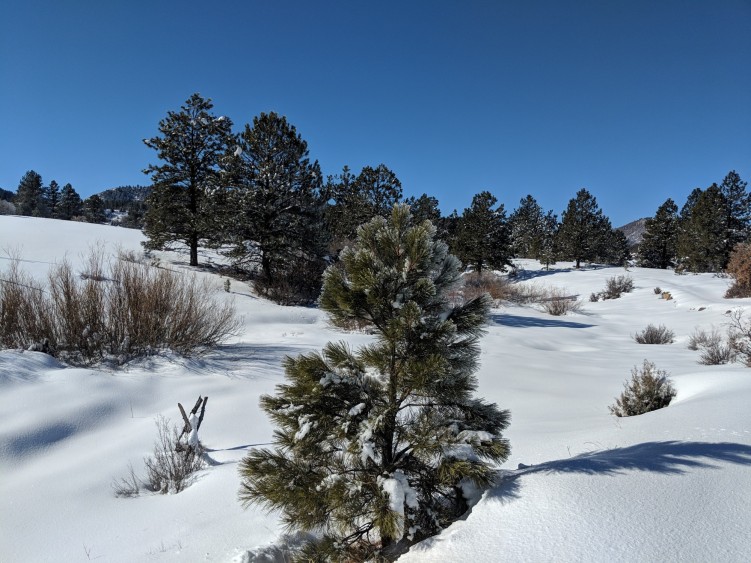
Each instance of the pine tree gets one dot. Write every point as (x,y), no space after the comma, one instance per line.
(93,209)
(182,207)
(738,210)
(373,446)
(355,200)
(657,248)
(584,230)
(548,236)
(526,224)
(277,194)
(424,208)
(482,239)
(702,230)
(29,199)
(70,203)
(52,196)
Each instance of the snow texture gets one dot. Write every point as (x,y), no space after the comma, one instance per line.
(580,484)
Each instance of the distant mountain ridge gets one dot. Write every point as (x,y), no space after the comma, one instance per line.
(634,231)
(122,195)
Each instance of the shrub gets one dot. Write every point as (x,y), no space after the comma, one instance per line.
(649,390)
(617,285)
(112,311)
(657,290)
(558,303)
(739,337)
(173,463)
(476,284)
(716,354)
(739,267)
(700,339)
(655,335)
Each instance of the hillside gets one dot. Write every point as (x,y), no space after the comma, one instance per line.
(634,231)
(580,485)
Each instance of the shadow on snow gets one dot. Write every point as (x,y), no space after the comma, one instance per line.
(518,321)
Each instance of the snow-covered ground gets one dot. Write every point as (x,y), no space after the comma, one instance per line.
(580,485)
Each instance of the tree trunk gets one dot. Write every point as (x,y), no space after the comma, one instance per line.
(194,250)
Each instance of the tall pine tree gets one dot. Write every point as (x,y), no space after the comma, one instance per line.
(737,212)
(52,196)
(482,238)
(702,231)
(276,192)
(70,203)
(182,207)
(373,446)
(584,231)
(657,248)
(526,224)
(29,198)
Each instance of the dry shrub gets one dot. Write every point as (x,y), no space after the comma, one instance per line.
(172,464)
(717,354)
(113,311)
(701,339)
(557,302)
(739,267)
(477,284)
(614,288)
(657,290)
(649,390)
(739,337)
(655,335)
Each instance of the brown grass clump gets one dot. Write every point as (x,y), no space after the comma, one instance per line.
(115,311)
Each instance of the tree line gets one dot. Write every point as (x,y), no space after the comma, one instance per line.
(35,199)
(257,195)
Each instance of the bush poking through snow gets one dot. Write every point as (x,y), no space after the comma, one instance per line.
(701,339)
(655,335)
(557,303)
(476,284)
(614,288)
(173,463)
(115,311)
(657,290)
(649,390)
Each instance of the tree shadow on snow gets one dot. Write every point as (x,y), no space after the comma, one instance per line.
(518,321)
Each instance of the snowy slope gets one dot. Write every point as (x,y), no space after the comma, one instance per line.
(671,485)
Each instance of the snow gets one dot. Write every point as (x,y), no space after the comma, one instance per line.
(580,485)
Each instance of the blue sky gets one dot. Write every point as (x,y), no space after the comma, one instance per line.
(635,100)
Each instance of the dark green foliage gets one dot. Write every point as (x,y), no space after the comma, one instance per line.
(93,210)
(584,232)
(525,224)
(7,195)
(658,246)
(355,200)
(614,248)
(70,203)
(548,236)
(702,229)
(483,238)
(372,445)
(29,198)
(649,389)
(737,211)
(276,197)
(52,198)
(182,206)
(424,208)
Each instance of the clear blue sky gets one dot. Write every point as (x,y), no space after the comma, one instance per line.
(636,100)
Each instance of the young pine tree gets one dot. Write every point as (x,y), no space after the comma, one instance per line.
(657,248)
(70,203)
(29,198)
(374,446)
(52,196)
(483,239)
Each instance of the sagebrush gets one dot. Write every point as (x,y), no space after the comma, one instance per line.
(614,288)
(655,335)
(648,390)
(170,468)
(114,310)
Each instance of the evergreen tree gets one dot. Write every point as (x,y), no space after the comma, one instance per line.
(584,231)
(548,236)
(52,196)
(374,446)
(482,238)
(526,223)
(29,199)
(70,203)
(276,191)
(424,208)
(738,210)
(614,248)
(182,207)
(658,246)
(93,210)
(702,228)
(355,200)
